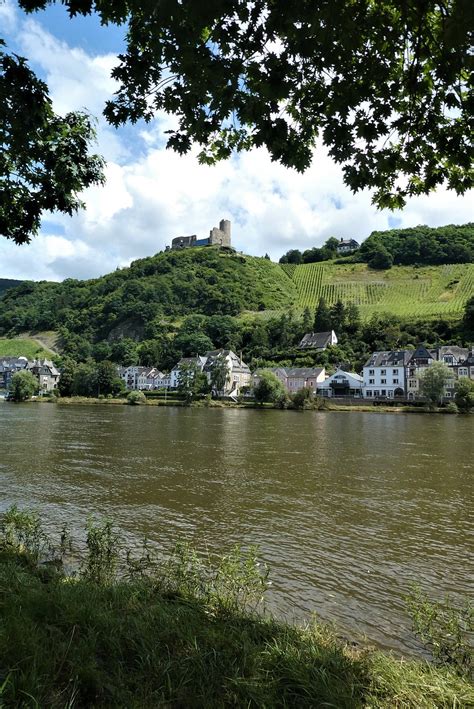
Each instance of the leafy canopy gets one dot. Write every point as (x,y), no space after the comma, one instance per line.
(44,158)
(384,85)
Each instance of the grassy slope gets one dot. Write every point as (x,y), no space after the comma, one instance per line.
(130,644)
(426,292)
(23,347)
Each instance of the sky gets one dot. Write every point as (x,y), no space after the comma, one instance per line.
(152,194)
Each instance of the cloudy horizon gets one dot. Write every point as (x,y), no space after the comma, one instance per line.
(153,194)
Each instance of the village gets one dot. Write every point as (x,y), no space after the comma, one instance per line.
(386,376)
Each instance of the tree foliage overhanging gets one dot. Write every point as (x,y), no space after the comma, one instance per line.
(44,158)
(386,86)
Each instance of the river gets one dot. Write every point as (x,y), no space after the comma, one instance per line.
(348,509)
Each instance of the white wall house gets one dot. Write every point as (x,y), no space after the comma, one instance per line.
(384,375)
(148,379)
(174,374)
(341,384)
(238,373)
(295,378)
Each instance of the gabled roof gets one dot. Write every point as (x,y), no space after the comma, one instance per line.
(236,362)
(317,340)
(303,372)
(459,352)
(420,353)
(469,361)
(342,373)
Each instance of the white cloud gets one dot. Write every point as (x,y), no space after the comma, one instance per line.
(8,16)
(153,195)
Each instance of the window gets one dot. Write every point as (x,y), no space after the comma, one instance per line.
(395,381)
(371,372)
(447,394)
(383,381)
(383,371)
(412,383)
(463,371)
(376,393)
(384,392)
(395,372)
(371,381)
(368,393)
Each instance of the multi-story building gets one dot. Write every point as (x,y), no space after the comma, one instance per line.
(295,378)
(384,374)
(8,367)
(46,373)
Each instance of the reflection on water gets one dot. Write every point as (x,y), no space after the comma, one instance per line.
(348,509)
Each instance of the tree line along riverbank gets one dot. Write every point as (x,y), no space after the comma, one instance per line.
(183,631)
(317,405)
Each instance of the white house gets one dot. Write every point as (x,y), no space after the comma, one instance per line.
(384,374)
(341,383)
(198,361)
(318,340)
(296,378)
(238,373)
(149,378)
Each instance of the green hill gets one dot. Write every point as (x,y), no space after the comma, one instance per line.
(211,281)
(424,292)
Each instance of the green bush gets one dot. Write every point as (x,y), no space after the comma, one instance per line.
(452,408)
(445,629)
(136,397)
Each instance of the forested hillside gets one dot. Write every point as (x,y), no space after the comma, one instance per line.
(210,281)
(6,283)
(180,303)
(423,245)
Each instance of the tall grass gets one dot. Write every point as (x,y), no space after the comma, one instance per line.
(180,632)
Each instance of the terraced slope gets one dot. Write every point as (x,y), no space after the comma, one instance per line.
(426,292)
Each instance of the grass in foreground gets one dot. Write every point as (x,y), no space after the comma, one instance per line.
(184,635)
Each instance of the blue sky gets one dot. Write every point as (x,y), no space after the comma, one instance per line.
(153,195)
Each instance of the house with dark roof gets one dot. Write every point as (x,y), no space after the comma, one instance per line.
(46,373)
(384,374)
(465,368)
(8,367)
(238,373)
(318,340)
(295,378)
(420,359)
(184,362)
(346,246)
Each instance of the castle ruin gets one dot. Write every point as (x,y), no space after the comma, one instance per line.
(218,236)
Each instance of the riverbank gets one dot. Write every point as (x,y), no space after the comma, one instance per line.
(326,405)
(179,635)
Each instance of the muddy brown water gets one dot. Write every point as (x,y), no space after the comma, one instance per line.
(348,509)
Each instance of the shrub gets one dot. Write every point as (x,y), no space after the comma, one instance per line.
(136,397)
(451,408)
(444,629)
(303,398)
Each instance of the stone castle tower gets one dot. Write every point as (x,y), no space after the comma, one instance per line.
(220,236)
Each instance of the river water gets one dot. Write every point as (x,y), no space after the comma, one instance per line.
(348,509)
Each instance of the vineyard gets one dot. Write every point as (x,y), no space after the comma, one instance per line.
(407,291)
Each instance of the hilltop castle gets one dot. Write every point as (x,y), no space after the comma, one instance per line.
(218,236)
